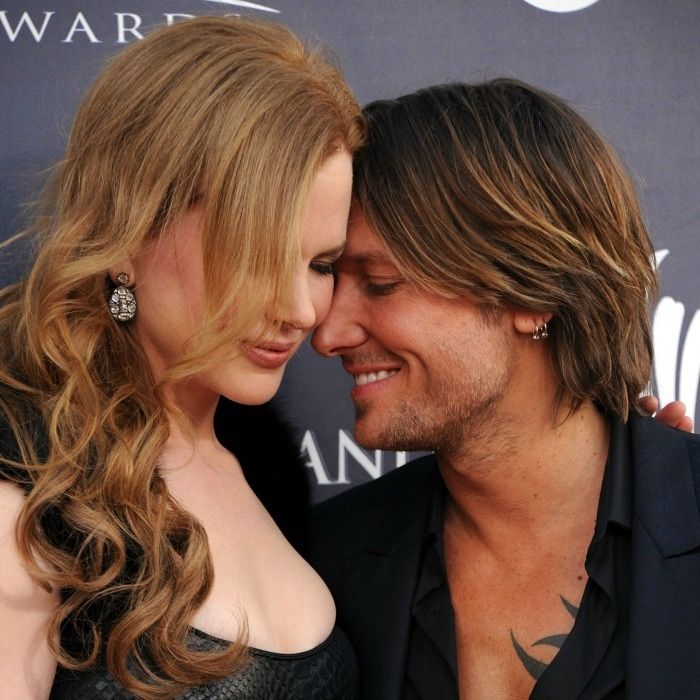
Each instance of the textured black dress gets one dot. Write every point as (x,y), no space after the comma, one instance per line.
(327,672)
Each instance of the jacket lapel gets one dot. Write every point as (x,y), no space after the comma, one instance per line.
(386,616)
(385,571)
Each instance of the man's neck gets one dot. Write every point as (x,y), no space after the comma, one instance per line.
(535,479)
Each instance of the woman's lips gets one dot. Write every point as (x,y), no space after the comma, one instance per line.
(269,355)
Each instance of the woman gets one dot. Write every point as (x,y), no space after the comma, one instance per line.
(187,249)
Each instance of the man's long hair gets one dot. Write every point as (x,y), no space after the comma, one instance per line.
(501,192)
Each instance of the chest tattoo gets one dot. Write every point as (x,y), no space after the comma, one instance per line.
(532,665)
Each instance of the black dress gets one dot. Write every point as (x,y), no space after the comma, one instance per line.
(327,672)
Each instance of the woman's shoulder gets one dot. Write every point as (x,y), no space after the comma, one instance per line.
(26,609)
(15,580)
(14,484)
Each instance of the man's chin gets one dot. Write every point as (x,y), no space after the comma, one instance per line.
(366,439)
(372,434)
(367,434)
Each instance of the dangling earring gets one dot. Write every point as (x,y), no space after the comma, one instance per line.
(122,303)
(540,332)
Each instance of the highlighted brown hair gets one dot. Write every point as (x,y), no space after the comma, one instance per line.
(237,115)
(500,191)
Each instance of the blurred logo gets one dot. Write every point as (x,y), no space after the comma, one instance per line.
(561,5)
(246,5)
(351,458)
(74,27)
(676,353)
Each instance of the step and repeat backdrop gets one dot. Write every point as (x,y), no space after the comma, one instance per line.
(631,67)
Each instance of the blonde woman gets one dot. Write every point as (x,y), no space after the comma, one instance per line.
(186,250)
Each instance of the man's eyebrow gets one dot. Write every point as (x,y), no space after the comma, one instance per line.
(365,258)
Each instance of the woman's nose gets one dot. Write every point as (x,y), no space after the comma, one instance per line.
(302,313)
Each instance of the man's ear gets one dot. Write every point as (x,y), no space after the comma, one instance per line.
(527,322)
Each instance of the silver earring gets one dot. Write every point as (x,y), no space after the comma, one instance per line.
(122,303)
(540,332)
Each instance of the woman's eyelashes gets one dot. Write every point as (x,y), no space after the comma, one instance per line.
(323,267)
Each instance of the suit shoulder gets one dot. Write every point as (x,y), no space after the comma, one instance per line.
(406,485)
(649,430)
(692,441)
(659,444)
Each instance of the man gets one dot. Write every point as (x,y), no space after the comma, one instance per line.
(491,305)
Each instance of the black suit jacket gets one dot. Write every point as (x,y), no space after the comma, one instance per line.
(367,543)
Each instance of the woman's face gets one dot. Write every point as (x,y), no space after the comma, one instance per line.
(169,287)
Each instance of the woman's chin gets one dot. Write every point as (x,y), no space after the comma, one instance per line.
(255,392)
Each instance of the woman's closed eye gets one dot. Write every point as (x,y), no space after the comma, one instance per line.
(323,267)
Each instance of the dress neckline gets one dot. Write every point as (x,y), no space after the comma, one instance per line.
(263,652)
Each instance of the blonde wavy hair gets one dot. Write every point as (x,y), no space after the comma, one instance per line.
(237,115)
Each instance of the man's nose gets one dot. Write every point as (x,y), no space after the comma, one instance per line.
(342,329)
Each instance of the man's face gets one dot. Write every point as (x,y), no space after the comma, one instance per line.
(429,372)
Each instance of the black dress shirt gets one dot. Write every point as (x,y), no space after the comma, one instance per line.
(590,664)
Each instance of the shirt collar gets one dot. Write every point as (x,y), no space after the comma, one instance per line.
(436,511)
(615,503)
(432,570)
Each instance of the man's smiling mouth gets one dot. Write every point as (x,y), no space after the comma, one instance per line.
(369,377)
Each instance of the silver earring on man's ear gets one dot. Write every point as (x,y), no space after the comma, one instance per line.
(122,303)
(540,332)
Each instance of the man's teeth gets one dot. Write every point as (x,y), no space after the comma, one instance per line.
(366,378)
